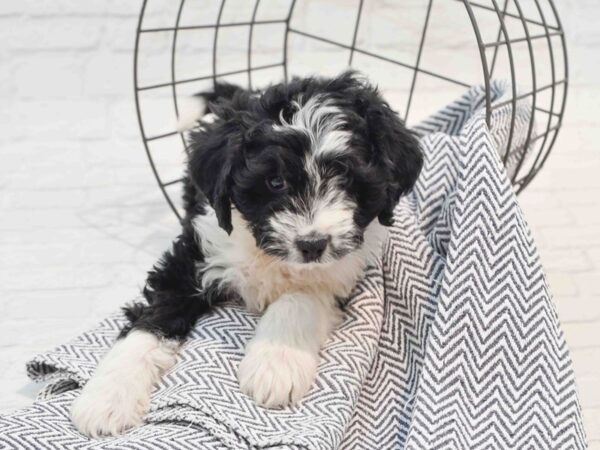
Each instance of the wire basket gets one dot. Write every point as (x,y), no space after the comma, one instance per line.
(421,53)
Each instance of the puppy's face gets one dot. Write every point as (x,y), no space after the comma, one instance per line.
(310,172)
(306,187)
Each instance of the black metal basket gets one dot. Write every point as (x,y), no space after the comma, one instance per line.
(422,54)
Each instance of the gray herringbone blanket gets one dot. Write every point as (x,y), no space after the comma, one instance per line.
(451,341)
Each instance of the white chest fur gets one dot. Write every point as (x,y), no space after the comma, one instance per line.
(236,263)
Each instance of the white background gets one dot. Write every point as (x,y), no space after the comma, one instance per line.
(81,218)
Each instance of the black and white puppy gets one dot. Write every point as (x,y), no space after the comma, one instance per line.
(287,194)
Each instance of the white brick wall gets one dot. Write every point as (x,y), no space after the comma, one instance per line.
(81,219)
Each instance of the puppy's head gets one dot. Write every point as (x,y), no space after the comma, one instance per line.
(308,165)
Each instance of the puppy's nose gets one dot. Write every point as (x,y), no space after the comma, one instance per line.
(312,246)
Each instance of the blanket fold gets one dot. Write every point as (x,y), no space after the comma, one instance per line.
(450,341)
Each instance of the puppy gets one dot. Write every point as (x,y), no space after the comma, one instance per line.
(287,196)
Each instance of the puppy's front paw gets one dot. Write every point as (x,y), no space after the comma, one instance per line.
(109,407)
(276,375)
(117,397)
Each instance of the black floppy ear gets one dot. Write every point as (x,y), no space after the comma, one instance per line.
(213,152)
(395,150)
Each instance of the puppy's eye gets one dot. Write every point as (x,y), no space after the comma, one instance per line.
(276,184)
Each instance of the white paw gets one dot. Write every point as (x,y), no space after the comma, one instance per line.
(109,407)
(117,397)
(276,375)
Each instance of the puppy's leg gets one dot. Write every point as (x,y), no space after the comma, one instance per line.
(118,395)
(281,360)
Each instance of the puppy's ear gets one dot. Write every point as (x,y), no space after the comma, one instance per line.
(395,150)
(214,150)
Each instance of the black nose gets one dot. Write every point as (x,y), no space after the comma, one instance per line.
(312,246)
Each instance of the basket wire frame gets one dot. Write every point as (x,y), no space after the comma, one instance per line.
(552,30)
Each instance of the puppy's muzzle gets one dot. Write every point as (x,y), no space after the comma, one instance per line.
(312,246)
